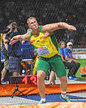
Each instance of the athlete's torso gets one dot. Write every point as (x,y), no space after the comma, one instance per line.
(46,46)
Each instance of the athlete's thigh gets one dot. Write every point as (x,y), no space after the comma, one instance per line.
(43,65)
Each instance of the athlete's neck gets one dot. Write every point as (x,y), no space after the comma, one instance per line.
(35,32)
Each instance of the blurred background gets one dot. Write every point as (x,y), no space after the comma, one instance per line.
(48,11)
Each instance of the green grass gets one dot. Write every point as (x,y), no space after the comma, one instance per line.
(82,64)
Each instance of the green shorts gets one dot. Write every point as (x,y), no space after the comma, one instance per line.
(44,64)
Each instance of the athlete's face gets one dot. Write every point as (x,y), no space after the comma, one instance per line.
(33,24)
(62,45)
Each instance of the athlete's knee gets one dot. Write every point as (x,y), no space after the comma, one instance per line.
(41,75)
(63,79)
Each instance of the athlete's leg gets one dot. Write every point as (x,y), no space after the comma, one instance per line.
(59,68)
(42,68)
(63,84)
(40,83)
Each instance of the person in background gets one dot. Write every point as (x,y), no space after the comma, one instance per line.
(4,49)
(5,68)
(1,38)
(14,51)
(2,56)
(27,53)
(66,62)
(2,59)
(74,65)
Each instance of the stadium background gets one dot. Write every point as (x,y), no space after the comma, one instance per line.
(49,11)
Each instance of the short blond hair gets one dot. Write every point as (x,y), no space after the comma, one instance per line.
(30,19)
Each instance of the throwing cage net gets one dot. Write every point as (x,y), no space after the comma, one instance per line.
(48,11)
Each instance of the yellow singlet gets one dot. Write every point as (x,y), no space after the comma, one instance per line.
(46,46)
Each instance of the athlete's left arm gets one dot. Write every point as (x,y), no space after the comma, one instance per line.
(56,26)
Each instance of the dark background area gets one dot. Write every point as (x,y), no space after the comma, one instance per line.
(48,11)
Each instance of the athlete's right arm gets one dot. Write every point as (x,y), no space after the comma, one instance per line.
(22,37)
(56,26)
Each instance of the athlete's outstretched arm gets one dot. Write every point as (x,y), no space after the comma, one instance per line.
(56,26)
(22,37)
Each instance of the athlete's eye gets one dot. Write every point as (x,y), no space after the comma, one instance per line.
(31,22)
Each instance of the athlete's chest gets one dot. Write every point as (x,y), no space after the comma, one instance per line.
(39,40)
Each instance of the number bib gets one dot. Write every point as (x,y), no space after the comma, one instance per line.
(43,51)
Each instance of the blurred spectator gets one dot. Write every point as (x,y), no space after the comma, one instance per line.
(14,50)
(2,56)
(1,38)
(74,64)
(27,52)
(6,60)
(66,62)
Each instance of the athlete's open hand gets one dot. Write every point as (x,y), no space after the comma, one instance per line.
(71,28)
(14,38)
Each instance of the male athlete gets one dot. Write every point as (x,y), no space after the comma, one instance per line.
(47,48)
